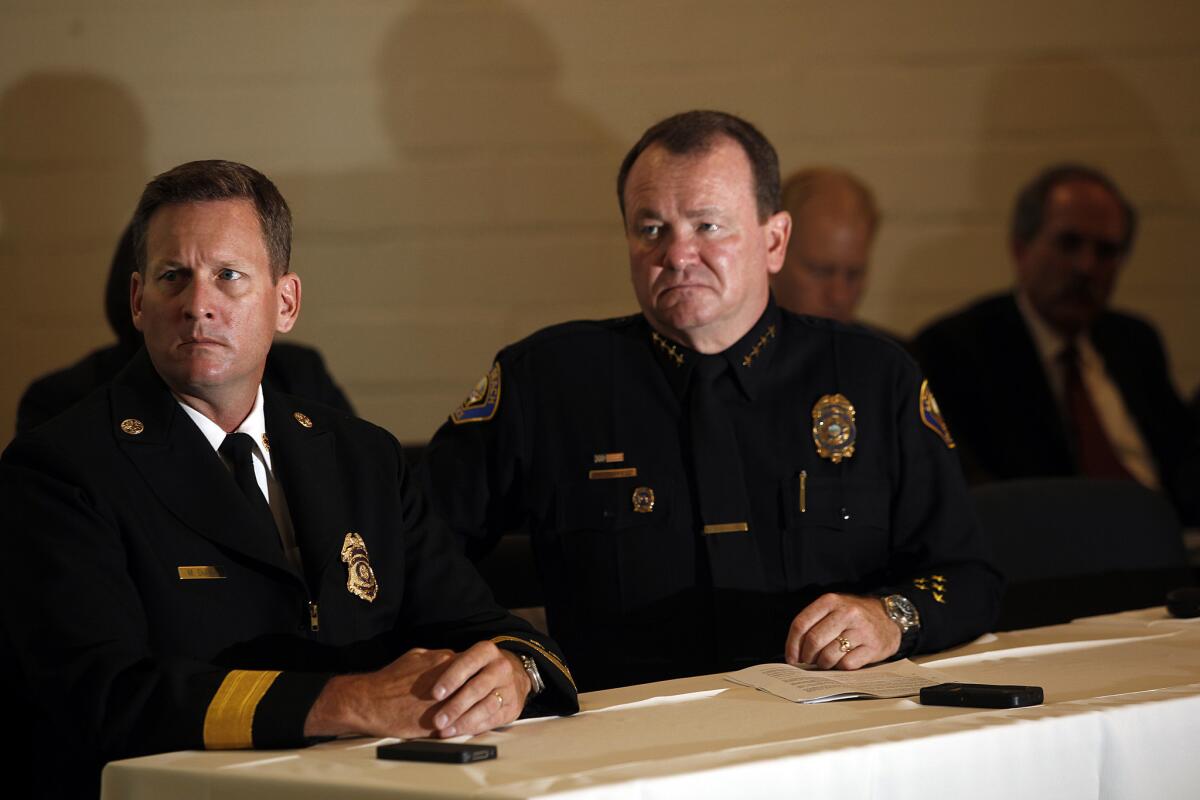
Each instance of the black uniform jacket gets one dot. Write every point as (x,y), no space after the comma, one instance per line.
(150,613)
(984,365)
(581,433)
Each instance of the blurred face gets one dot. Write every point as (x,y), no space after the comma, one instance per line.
(1070,268)
(699,258)
(825,271)
(207,305)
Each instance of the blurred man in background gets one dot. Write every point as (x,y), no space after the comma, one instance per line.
(834,220)
(1046,380)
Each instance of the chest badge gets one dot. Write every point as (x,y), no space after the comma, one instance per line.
(643,499)
(360,578)
(833,429)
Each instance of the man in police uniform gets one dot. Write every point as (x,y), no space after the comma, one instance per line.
(716,482)
(191,561)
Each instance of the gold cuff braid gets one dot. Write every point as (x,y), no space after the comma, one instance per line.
(229,721)
(543,652)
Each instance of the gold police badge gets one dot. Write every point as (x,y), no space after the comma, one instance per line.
(833,427)
(360,579)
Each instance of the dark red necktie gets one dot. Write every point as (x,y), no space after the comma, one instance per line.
(1093,450)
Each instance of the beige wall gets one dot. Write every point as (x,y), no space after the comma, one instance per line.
(450,165)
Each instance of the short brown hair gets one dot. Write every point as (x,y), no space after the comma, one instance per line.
(202,181)
(1029,211)
(699,131)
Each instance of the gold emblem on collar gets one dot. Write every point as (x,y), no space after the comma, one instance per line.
(302,419)
(833,429)
(643,499)
(360,578)
(668,348)
(266,442)
(748,359)
(132,426)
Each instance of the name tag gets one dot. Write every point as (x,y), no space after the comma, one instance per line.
(728,527)
(200,573)
(604,474)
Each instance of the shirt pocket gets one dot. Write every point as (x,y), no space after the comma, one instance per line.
(837,531)
(614,546)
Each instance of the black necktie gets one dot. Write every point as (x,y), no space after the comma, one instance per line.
(1097,458)
(239,449)
(716,459)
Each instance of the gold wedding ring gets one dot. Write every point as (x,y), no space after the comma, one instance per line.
(844,644)
(499,698)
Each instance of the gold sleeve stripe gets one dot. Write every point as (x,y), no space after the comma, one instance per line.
(229,721)
(543,652)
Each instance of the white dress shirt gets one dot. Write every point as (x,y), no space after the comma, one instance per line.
(255,425)
(1119,426)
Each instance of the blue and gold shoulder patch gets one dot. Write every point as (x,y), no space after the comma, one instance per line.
(483,401)
(931,415)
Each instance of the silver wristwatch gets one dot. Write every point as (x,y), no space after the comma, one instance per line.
(902,612)
(536,684)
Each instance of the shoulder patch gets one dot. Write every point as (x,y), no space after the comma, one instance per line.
(483,401)
(931,415)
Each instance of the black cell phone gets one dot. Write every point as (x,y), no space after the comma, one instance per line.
(1185,602)
(981,695)
(441,752)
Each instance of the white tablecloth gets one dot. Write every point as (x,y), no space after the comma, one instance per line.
(1121,720)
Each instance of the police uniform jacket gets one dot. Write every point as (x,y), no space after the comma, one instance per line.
(581,433)
(151,612)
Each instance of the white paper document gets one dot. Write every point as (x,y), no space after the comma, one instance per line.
(897,679)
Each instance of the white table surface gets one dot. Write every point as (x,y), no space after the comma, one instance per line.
(1121,719)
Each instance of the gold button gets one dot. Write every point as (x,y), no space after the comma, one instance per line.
(132,426)
(302,419)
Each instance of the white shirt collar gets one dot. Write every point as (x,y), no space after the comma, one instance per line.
(1050,343)
(254,424)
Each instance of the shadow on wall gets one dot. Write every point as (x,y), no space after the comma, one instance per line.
(72,163)
(499,215)
(1062,107)
(72,148)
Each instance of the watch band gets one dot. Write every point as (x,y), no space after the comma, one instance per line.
(901,611)
(536,684)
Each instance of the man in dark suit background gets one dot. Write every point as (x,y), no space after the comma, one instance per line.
(291,368)
(190,560)
(1047,380)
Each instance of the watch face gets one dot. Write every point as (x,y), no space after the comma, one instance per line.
(902,611)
